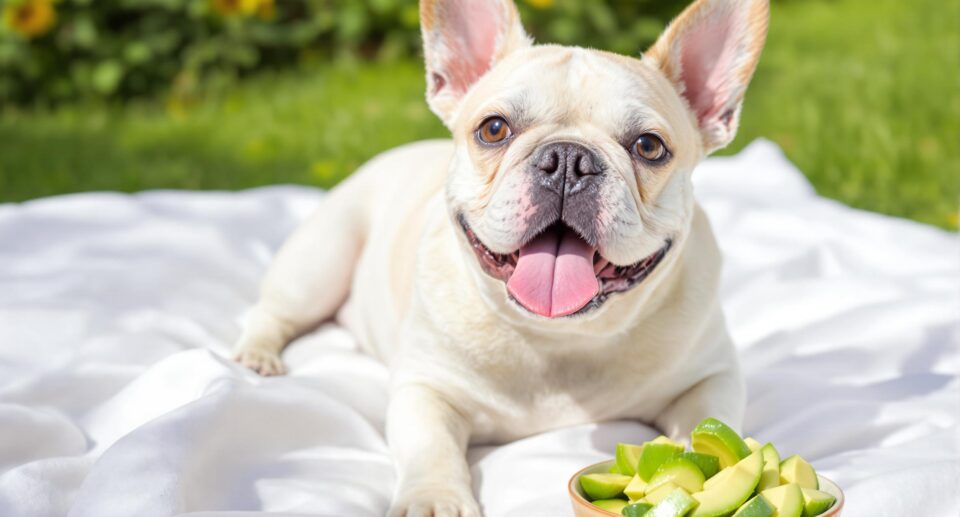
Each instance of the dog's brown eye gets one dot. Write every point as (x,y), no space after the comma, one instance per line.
(650,147)
(493,130)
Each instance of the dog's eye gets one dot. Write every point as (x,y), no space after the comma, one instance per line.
(493,130)
(650,147)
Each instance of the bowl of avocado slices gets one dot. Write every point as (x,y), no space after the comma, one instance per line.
(723,475)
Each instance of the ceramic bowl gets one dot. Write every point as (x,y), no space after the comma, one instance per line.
(583,508)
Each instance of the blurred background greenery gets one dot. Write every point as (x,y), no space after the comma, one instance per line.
(863,95)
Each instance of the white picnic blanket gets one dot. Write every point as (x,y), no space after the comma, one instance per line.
(116,312)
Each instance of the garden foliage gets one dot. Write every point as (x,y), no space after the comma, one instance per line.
(55,50)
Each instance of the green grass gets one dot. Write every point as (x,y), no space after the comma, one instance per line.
(312,128)
(864,96)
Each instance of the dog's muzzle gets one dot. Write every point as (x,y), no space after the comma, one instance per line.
(558,270)
(565,186)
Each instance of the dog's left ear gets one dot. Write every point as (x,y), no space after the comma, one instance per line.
(462,40)
(709,52)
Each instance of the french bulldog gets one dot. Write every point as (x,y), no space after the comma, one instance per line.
(547,266)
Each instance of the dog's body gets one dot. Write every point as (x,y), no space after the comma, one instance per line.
(512,380)
(535,271)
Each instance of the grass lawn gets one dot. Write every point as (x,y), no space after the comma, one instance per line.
(864,96)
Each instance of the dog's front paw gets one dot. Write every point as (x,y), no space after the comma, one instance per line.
(264,362)
(435,501)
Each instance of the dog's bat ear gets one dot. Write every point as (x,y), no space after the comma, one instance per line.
(709,52)
(462,40)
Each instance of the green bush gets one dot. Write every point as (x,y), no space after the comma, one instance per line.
(56,50)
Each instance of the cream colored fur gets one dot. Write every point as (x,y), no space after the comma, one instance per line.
(385,255)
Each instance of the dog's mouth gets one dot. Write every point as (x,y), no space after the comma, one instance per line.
(557,273)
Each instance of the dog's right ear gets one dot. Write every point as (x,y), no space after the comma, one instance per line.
(462,40)
(710,52)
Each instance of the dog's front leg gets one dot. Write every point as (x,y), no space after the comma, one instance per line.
(721,396)
(428,438)
(308,279)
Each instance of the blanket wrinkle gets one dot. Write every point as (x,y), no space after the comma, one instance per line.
(118,397)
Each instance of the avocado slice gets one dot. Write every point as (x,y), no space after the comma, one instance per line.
(787,499)
(771,468)
(707,464)
(654,454)
(661,493)
(679,471)
(603,486)
(636,488)
(611,505)
(727,494)
(816,502)
(663,440)
(716,438)
(796,470)
(676,504)
(628,456)
(720,476)
(756,507)
(638,509)
(752,444)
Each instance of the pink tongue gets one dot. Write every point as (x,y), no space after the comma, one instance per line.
(554,274)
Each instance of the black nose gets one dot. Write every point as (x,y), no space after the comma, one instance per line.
(567,158)
(566,182)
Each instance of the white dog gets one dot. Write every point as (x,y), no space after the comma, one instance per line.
(549,265)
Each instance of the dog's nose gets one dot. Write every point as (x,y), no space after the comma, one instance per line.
(568,159)
(565,184)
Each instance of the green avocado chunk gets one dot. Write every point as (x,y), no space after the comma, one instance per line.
(661,493)
(756,507)
(713,437)
(636,488)
(677,504)
(603,486)
(638,509)
(653,455)
(679,471)
(611,505)
(726,495)
(816,502)
(707,464)
(719,477)
(627,458)
(663,440)
(787,499)
(771,468)
(796,470)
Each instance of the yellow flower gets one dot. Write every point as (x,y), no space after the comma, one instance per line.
(266,10)
(541,4)
(30,18)
(236,7)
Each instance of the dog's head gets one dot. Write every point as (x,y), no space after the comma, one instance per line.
(571,176)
